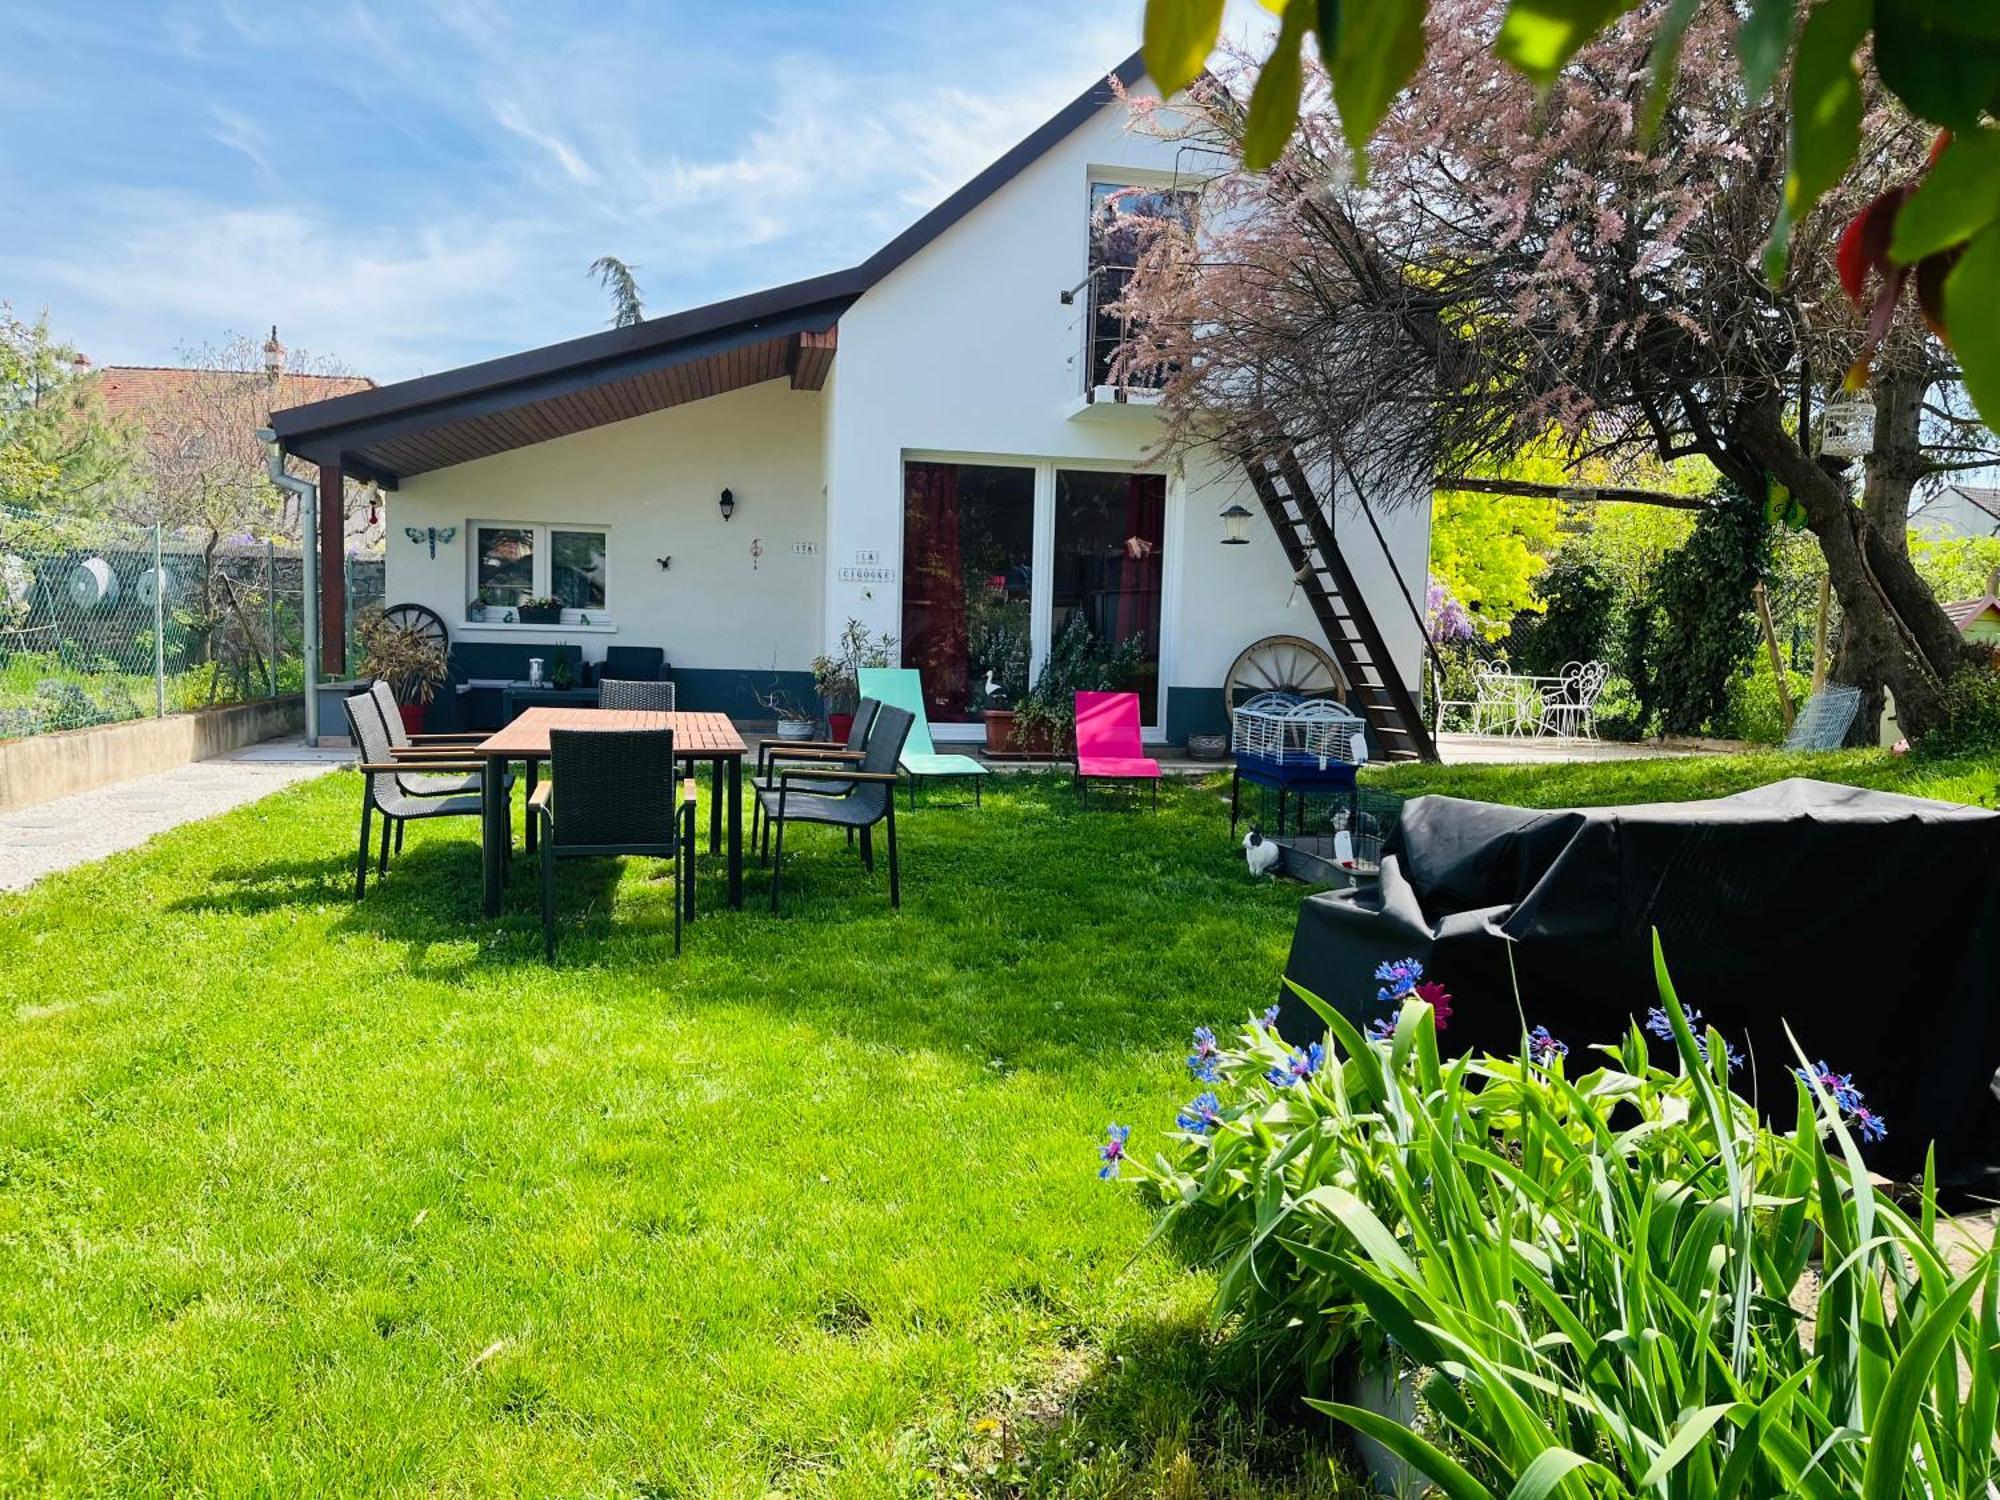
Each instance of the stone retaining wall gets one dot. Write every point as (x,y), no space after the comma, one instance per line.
(47,766)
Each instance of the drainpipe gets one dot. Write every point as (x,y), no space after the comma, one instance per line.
(308,495)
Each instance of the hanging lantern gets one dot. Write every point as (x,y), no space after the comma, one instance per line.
(1847,427)
(1236,526)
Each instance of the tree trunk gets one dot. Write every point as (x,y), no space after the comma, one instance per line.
(1892,469)
(1892,629)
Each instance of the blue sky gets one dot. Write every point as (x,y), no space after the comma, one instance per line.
(406,185)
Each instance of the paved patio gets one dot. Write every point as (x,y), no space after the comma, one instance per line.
(51,836)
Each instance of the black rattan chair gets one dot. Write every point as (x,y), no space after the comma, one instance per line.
(382,787)
(821,752)
(612,792)
(648,697)
(870,797)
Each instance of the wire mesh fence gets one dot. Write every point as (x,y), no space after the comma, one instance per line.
(102,621)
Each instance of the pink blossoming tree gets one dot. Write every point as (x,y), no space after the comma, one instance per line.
(1516,264)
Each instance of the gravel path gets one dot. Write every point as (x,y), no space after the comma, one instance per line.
(37,841)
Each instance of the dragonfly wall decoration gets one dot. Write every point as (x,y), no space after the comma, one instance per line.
(431,534)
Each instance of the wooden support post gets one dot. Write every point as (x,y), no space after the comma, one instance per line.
(1777,657)
(332,571)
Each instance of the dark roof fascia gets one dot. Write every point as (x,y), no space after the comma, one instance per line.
(323,427)
(614,352)
(331,444)
(1051,132)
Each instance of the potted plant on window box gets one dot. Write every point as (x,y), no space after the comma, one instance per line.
(836,674)
(413,665)
(541,609)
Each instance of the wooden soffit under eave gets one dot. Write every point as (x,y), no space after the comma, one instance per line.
(804,358)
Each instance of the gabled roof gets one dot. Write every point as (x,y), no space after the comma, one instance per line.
(480,409)
(1964,611)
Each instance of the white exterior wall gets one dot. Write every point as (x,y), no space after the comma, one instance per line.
(967,351)
(654,481)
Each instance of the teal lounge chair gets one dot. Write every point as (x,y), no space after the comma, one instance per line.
(899,688)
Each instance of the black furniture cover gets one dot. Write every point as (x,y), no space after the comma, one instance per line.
(1868,921)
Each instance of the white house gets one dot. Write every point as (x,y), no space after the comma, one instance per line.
(920,442)
(1959,510)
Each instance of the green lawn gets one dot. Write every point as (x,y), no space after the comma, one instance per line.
(299,1196)
(1601,783)
(304,1197)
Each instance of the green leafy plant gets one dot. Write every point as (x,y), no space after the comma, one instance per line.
(1077,662)
(541,601)
(1596,1286)
(836,673)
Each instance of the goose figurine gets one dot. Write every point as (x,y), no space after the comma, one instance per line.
(994,692)
(1260,853)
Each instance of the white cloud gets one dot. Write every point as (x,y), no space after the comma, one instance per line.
(382,301)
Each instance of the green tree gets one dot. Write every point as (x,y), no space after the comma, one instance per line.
(58,449)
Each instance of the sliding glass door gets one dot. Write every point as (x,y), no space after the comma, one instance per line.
(999,559)
(968,561)
(1110,542)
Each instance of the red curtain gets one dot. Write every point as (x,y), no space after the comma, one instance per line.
(934,628)
(1139,575)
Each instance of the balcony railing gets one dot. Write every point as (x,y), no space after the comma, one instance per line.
(1102,331)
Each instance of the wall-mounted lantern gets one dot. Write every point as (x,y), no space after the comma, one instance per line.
(1236,526)
(728,503)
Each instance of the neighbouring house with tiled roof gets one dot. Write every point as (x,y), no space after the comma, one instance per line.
(140,394)
(1959,510)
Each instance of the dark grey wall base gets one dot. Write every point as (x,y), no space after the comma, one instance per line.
(733,690)
(1194,710)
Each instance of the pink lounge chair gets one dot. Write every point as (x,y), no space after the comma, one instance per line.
(1107,742)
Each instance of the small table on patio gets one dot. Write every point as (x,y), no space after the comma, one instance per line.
(697,736)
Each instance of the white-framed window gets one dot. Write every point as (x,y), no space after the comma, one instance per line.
(512,562)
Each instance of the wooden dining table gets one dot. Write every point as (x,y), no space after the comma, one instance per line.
(706,737)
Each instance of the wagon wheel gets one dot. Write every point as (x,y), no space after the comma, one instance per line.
(1283,664)
(422,621)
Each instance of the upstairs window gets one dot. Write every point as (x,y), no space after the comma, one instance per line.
(1121,218)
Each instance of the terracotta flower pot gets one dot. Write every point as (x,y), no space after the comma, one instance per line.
(999,729)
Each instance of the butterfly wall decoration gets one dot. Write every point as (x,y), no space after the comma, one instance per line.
(431,534)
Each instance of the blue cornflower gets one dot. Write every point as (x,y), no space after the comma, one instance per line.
(1113,1149)
(1839,1085)
(1662,1026)
(1202,1114)
(1872,1126)
(1269,1020)
(1384,1029)
(1204,1062)
(1298,1067)
(1399,976)
(1544,1048)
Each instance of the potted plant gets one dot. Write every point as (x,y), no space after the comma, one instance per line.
(1044,719)
(413,664)
(1001,657)
(541,609)
(836,674)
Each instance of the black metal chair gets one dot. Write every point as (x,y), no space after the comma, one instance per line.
(612,792)
(648,697)
(870,797)
(770,752)
(382,787)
